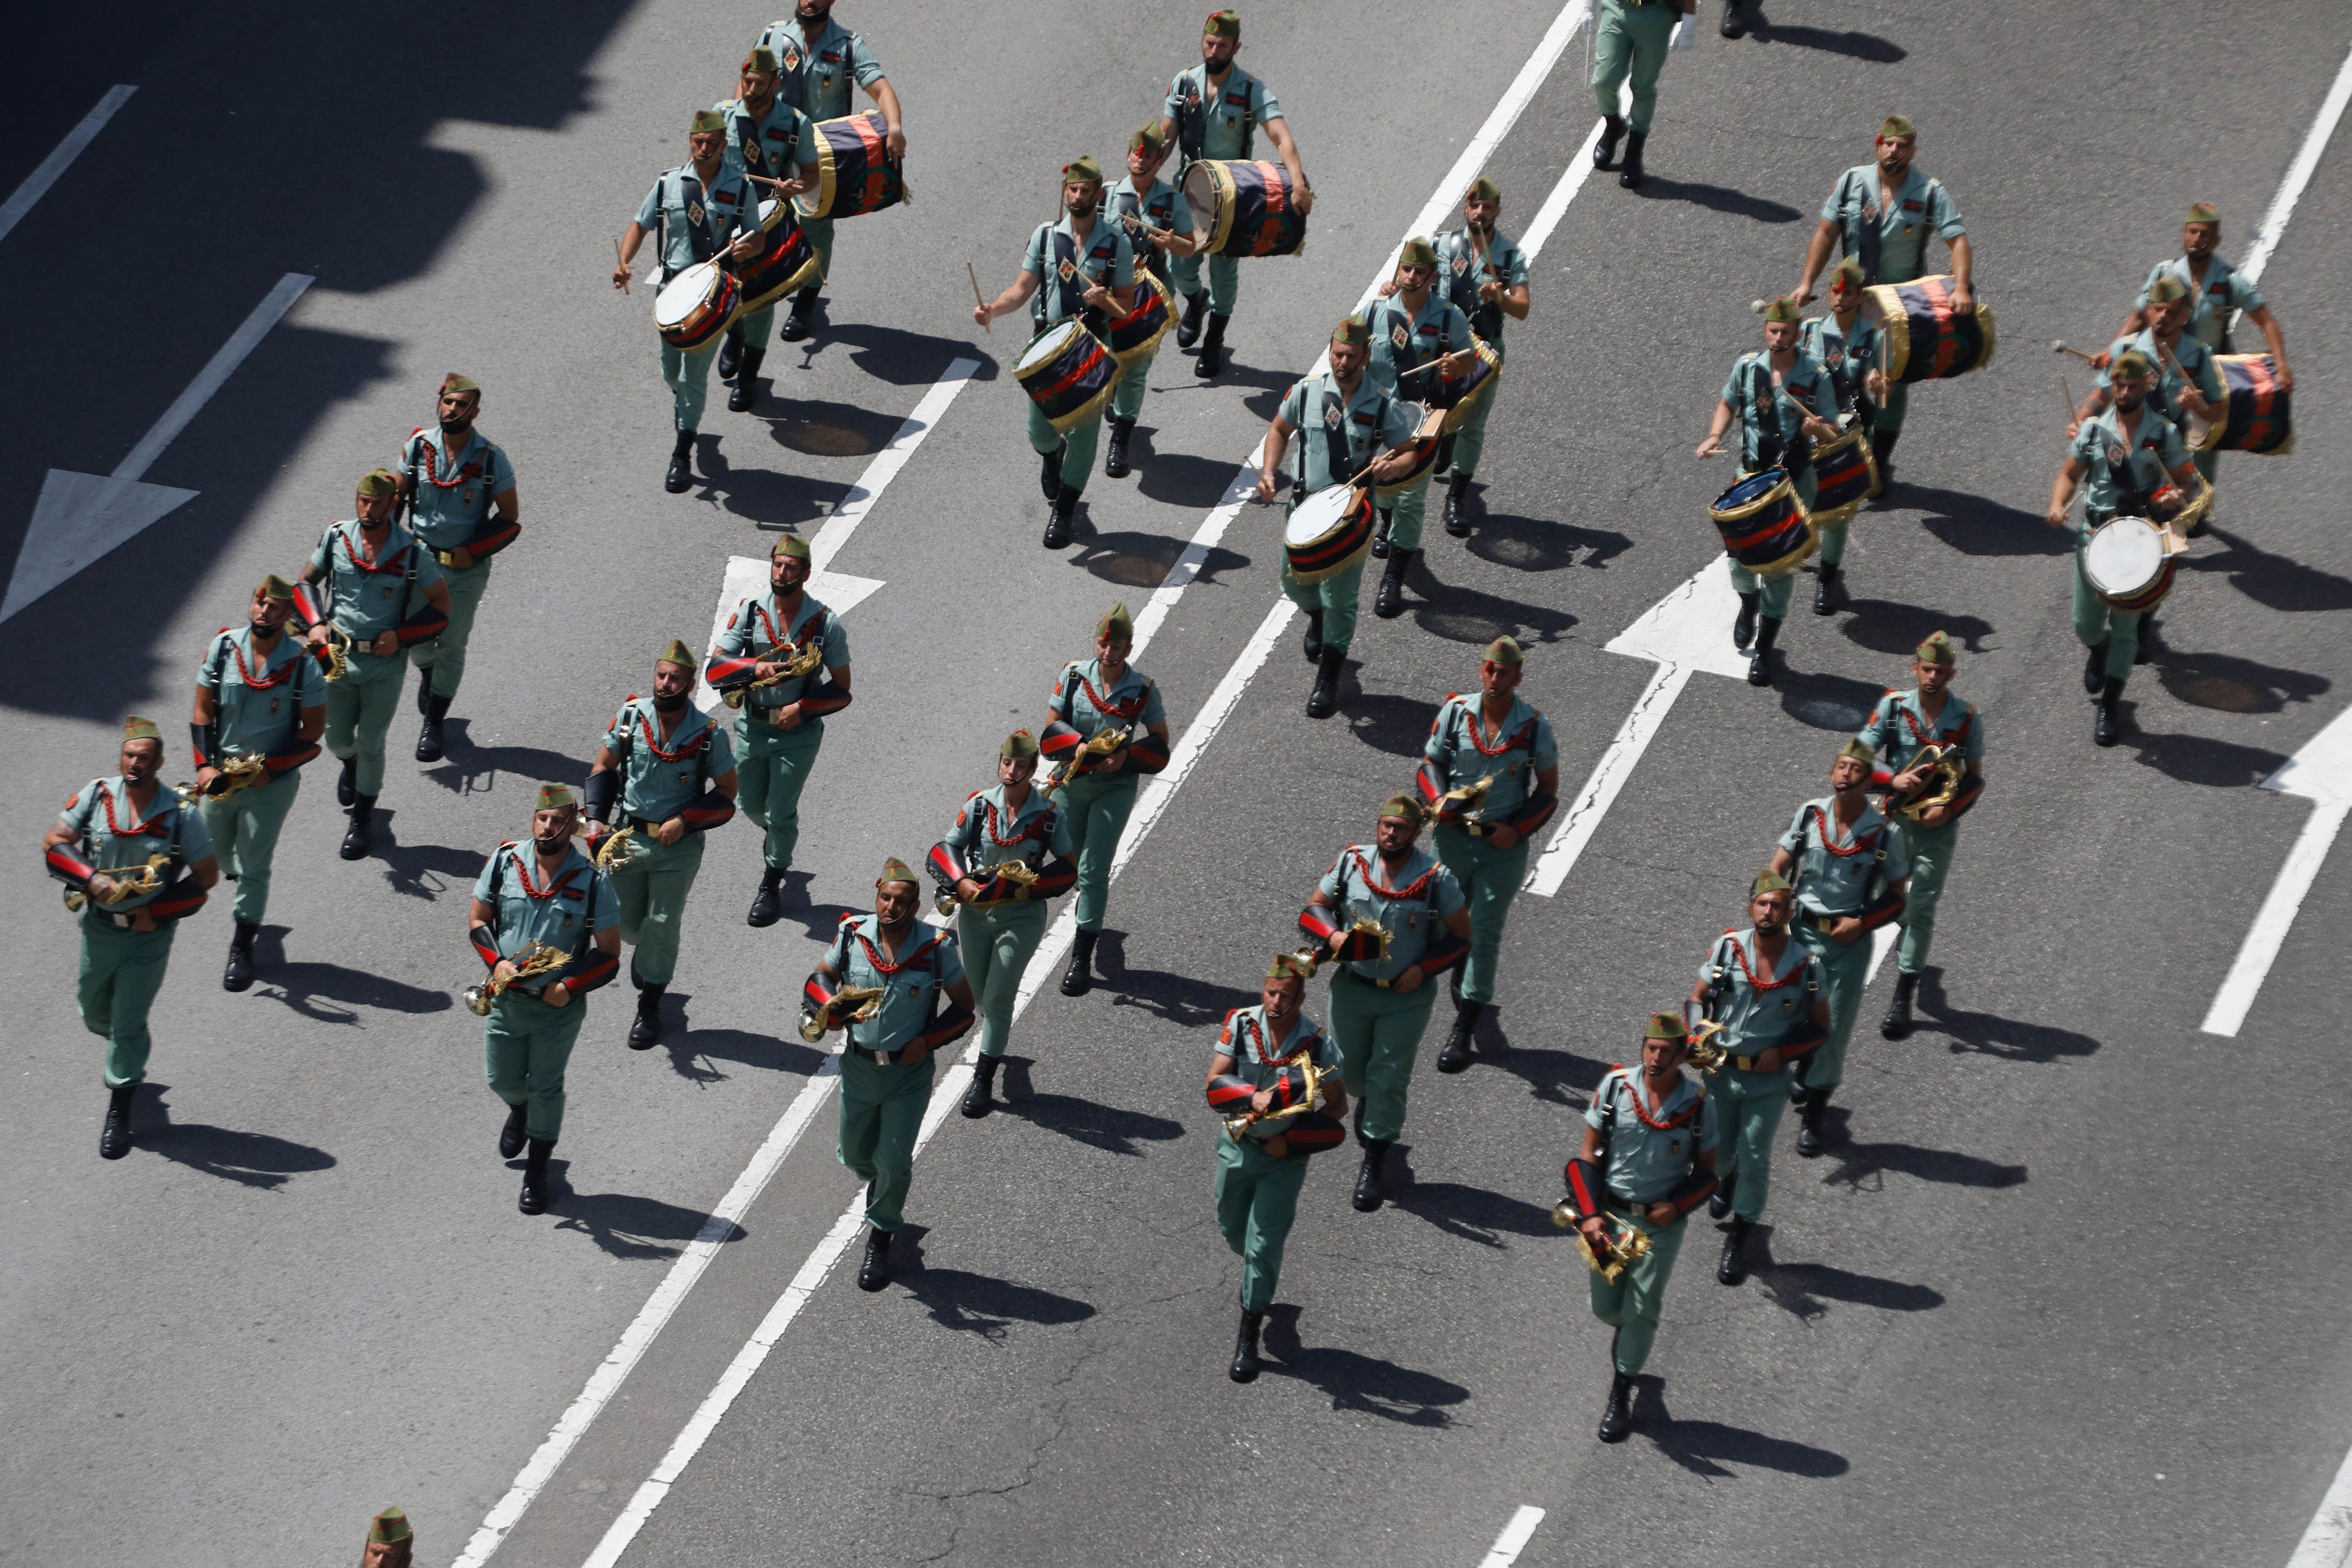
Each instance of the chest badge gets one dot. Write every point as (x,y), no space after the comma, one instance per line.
(1331,416)
(1399,336)
(694,213)
(1069,270)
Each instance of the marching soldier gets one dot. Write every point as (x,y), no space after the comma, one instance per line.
(548,926)
(1214,111)
(772,145)
(1258,1071)
(1008,852)
(1648,1160)
(771,652)
(1485,276)
(697,209)
(671,772)
(1847,346)
(359,605)
(1489,778)
(1632,40)
(390,1542)
(819,58)
(260,707)
(1362,428)
(135,862)
(2218,292)
(1784,401)
(2187,385)
(460,491)
(1884,211)
(2128,452)
(1393,919)
(1902,727)
(1770,997)
(887,1065)
(1092,270)
(1095,700)
(1417,334)
(1849,868)
(1157,221)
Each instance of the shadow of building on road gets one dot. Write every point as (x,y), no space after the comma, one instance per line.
(1706,1448)
(256,1159)
(975,1303)
(1356,1382)
(623,1224)
(1988,1034)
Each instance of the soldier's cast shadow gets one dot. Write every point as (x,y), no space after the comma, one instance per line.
(1719,199)
(1354,1380)
(1975,525)
(1178,999)
(1849,1164)
(1471,1214)
(763,494)
(1113,1128)
(1883,626)
(2274,580)
(1556,1076)
(975,1303)
(625,1224)
(2198,759)
(1392,723)
(820,921)
(692,1052)
(1143,560)
(1820,700)
(880,352)
(1805,1290)
(1706,1448)
(1536,544)
(1177,479)
(1463,614)
(1988,1034)
(257,1160)
(331,993)
(469,769)
(2228,684)
(422,871)
(1853,45)
(1267,387)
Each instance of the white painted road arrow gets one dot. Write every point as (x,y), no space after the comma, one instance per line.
(2321,771)
(80,517)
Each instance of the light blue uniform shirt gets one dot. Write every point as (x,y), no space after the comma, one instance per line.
(1521,749)
(1403,341)
(757,629)
(1081,702)
(1920,207)
(1409,901)
(1105,258)
(657,777)
(259,699)
(1461,275)
(695,224)
(2226,289)
(1228,125)
(1843,872)
(2196,363)
(1761,1003)
(371,597)
(1365,426)
(1161,206)
(113,837)
(1848,353)
(765,145)
(452,499)
(1898,726)
(2144,463)
(1646,1163)
(564,912)
(1750,385)
(928,964)
(987,834)
(815,78)
(1257,1058)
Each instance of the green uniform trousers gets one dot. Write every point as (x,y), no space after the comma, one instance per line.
(1470,439)
(2097,621)
(1847,968)
(1126,401)
(688,379)
(2206,463)
(1630,1303)
(1405,515)
(1630,39)
(244,828)
(1931,862)
(1490,879)
(1077,447)
(359,710)
(1776,590)
(1832,540)
(773,767)
(882,1107)
(1336,596)
(996,940)
(1378,1034)
(1748,1107)
(525,1046)
(1898,402)
(651,889)
(1257,1198)
(1224,280)
(820,234)
(121,972)
(444,656)
(1098,806)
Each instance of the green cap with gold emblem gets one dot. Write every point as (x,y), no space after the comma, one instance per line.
(676,653)
(1505,651)
(135,728)
(1847,272)
(1151,139)
(1082,170)
(789,543)
(2130,365)
(1019,744)
(705,120)
(1666,1026)
(2203,212)
(1483,189)
(277,589)
(1288,967)
(1896,125)
(1352,332)
(1118,626)
(1417,253)
(1404,808)
(1937,649)
(1784,309)
(1768,883)
(389,1527)
(379,482)
(894,870)
(2166,289)
(453,382)
(1860,750)
(760,59)
(556,797)
(1223,24)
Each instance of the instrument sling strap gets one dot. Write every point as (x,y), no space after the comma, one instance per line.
(1862,228)
(1339,453)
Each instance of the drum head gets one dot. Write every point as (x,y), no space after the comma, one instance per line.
(2124,555)
(1318,514)
(684,294)
(1201,189)
(1046,346)
(1751,489)
(770,212)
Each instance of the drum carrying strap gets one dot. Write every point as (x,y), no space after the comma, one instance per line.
(755,156)
(1861,221)
(1069,291)
(1337,455)
(1192,110)
(2131,500)
(1464,282)
(1772,451)
(700,236)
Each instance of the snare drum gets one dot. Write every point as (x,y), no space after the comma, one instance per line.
(1429,432)
(1328,532)
(1846,475)
(1136,335)
(696,307)
(2129,562)
(1765,527)
(1253,208)
(2255,412)
(786,259)
(1922,337)
(1068,374)
(1458,394)
(854,171)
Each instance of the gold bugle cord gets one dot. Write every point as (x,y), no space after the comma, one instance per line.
(532,962)
(130,882)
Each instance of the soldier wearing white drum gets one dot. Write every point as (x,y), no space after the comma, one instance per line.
(1420,338)
(767,140)
(1159,223)
(2187,385)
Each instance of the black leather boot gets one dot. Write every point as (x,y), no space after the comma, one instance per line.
(1114,455)
(1371,1187)
(424,688)
(681,464)
(730,353)
(1809,1123)
(239,975)
(1212,348)
(1381,534)
(114,1138)
(347,782)
(1612,131)
(1457,509)
(1829,591)
(1733,1267)
(1312,645)
(429,734)
(1743,625)
(1897,1022)
(358,840)
(1629,176)
(533,1197)
(1324,700)
(875,1272)
(645,1030)
(1388,603)
(802,321)
(1445,456)
(978,1099)
(1462,1045)
(1049,475)
(1245,1364)
(746,395)
(1760,662)
(1719,1202)
(2108,728)
(1735,20)
(2095,667)
(1078,978)
(1062,522)
(510,1136)
(1617,1420)
(1188,326)
(767,903)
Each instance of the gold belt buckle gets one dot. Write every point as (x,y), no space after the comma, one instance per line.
(446,557)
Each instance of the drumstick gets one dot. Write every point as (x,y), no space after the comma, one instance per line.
(2067,387)
(624,262)
(973,274)
(2061,346)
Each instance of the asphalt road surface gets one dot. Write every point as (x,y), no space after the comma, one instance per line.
(2070,1284)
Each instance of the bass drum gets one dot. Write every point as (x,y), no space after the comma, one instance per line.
(1328,532)
(1458,396)
(786,259)
(1846,475)
(1251,208)
(2257,413)
(1136,335)
(854,171)
(1922,335)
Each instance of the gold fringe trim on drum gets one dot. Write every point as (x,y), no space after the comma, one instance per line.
(1144,350)
(1426,436)
(1795,558)
(806,276)
(1881,304)
(1085,411)
(1459,414)
(1839,516)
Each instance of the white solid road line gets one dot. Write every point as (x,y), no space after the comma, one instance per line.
(80,517)
(2321,772)
(2328,1542)
(1514,1538)
(2299,172)
(37,184)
